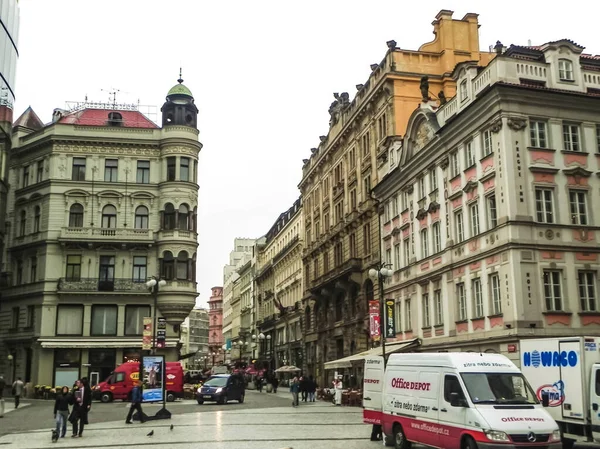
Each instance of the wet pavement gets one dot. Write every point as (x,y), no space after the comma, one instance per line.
(310,426)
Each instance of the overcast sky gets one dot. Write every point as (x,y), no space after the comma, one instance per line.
(262,74)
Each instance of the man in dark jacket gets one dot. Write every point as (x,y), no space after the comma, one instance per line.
(81,407)
(136,403)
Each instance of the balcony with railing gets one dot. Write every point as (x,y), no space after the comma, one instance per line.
(89,285)
(101,234)
(167,234)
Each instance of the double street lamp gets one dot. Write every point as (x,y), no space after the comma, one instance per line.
(381,273)
(154,285)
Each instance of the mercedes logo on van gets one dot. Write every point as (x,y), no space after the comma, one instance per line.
(531,437)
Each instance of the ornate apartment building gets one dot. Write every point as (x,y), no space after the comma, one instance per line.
(215,325)
(279,289)
(100,201)
(241,253)
(488,219)
(198,338)
(341,227)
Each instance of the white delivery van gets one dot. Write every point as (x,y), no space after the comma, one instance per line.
(565,375)
(456,401)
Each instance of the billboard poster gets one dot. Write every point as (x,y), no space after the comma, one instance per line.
(390,319)
(147,334)
(153,369)
(374,319)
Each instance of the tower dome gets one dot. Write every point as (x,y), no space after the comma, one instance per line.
(179,108)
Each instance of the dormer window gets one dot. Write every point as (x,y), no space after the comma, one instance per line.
(565,70)
(464,93)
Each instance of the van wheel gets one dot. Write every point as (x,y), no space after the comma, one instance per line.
(469,443)
(170,396)
(400,441)
(106,397)
(200,402)
(224,399)
(241,400)
(568,444)
(388,441)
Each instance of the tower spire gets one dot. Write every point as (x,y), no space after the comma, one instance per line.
(180,80)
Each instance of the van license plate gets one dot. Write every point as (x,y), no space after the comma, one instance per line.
(207,396)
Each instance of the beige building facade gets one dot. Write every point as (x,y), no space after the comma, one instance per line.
(341,240)
(488,217)
(279,289)
(101,200)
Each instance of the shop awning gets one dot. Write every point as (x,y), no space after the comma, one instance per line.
(391,347)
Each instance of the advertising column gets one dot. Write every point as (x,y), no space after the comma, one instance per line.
(153,372)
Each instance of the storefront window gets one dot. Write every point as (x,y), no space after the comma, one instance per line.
(66,366)
(102,363)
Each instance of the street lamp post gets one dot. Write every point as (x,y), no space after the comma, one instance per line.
(154,285)
(380,274)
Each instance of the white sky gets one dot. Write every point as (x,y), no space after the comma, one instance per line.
(262,74)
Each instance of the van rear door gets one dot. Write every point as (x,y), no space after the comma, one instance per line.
(373,390)
(595,401)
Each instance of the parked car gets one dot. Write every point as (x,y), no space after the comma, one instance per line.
(222,388)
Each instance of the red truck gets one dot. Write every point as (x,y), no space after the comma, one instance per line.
(120,383)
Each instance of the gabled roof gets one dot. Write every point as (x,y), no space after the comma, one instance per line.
(99,117)
(29,119)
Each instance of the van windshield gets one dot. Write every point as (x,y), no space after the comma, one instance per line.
(499,388)
(216,382)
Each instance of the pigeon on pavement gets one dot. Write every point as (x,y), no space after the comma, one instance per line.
(171,427)
(151,433)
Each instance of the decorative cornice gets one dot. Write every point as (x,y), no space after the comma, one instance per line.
(547,170)
(516,123)
(471,185)
(577,171)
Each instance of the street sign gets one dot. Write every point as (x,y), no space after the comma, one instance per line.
(161,337)
(147,334)
(390,321)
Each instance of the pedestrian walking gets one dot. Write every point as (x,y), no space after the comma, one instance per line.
(259,384)
(312,388)
(61,411)
(338,390)
(275,383)
(136,404)
(17,391)
(303,388)
(294,389)
(81,406)
(2,387)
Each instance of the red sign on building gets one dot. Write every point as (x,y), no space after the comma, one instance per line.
(374,319)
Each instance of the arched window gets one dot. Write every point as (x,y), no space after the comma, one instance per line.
(109,217)
(182,265)
(76,216)
(193,273)
(169,217)
(184,214)
(36,219)
(565,70)
(307,319)
(369,294)
(339,307)
(23,223)
(167,266)
(141,218)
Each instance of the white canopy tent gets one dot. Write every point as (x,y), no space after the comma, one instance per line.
(391,347)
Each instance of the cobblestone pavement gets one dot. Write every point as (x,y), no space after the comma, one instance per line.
(310,426)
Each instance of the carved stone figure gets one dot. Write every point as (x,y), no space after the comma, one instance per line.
(442,97)
(425,88)
(516,123)
(339,104)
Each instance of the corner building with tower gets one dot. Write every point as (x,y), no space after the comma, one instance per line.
(102,200)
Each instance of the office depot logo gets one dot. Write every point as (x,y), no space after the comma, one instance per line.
(371,381)
(398,382)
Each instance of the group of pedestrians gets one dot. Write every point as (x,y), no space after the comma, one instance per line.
(81,401)
(303,386)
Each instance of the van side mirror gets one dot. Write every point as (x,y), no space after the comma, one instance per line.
(456,400)
(545,399)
